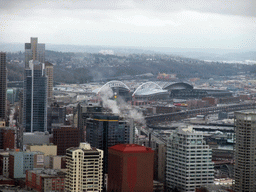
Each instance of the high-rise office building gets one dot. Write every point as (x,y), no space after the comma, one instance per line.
(49,74)
(34,51)
(56,117)
(65,137)
(189,161)
(2,86)
(84,169)
(245,151)
(130,168)
(84,112)
(106,130)
(35,98)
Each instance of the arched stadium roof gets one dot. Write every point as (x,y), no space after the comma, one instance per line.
(112,84)
(149,88)
(180,85)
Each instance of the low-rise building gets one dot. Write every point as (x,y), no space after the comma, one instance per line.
(20,162)
(4,163)
(47,149)
(45,180)
(36,138)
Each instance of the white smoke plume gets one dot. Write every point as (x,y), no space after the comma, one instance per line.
(120,107)
(107,93)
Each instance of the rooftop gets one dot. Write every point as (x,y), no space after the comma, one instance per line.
(131,148)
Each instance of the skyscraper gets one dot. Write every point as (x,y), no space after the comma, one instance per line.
(189,161)
(84,169)
(85,112)
(34,51)
(103,131)
(35,98)
(2,86)
(130,168)
(245,151)
(49,74)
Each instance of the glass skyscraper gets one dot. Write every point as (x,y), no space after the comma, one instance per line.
(2,86)
(107,130)
(34,51)
(35,98)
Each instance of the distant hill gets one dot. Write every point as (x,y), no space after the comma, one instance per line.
(85,67)
(196,53)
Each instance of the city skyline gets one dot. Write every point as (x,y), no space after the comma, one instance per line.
(190,24)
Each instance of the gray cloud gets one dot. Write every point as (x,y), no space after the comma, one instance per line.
(64,4)
(229,7)
(194,23)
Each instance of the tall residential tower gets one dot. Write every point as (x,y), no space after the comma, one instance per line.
(189,161)
(84,169)
(245,151)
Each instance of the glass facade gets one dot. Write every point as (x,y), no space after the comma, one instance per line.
(103,131)
(35,99)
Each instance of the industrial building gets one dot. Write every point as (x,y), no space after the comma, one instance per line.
(84,169)
(189,161)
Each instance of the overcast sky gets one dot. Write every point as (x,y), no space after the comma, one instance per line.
(226,24)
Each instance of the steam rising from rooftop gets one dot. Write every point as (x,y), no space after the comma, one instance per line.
(119,106)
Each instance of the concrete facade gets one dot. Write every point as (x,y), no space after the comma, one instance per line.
(189,161)
(84,169)
(46,149)
(245,162)
(20,162)
(36,138)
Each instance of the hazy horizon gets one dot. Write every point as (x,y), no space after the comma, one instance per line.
(190,24)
